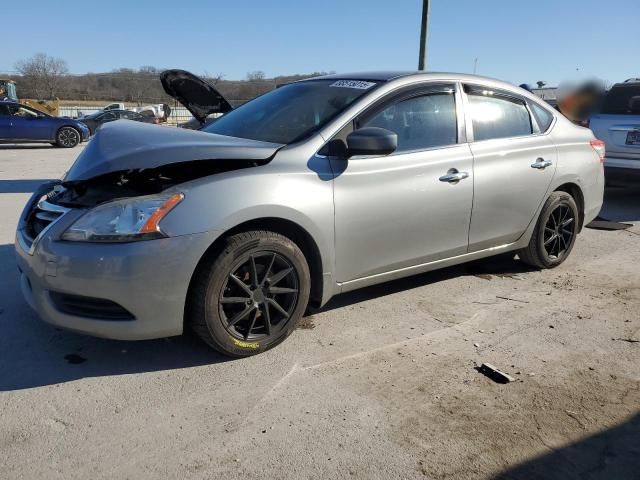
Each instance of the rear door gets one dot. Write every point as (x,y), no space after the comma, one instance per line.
(514,163)
(618,125)
(399,210)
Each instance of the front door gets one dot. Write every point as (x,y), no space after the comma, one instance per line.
(28,124)
(405,209)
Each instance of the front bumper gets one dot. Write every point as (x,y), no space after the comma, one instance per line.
(149,279)
(85,133)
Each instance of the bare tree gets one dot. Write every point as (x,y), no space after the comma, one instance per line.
(213,78)
(44,73)
(256,75)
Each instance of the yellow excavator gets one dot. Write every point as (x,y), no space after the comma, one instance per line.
(8,89)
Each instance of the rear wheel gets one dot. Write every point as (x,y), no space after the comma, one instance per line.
(67,137)
(250,296)
(554,234)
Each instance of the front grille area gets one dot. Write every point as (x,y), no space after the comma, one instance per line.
(41,216)
(90,307)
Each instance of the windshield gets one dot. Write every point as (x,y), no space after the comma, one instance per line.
(291,112)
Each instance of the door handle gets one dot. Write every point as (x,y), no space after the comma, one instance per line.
(454,176)
(541,163)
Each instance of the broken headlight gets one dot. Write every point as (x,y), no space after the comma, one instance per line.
(126,220)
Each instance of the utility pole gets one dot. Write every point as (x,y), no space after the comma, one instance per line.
(422,61)
(475,65)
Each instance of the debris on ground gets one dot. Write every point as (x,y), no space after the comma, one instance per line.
(494,374)
(629,339)
(306,323)
(74,359)
(512,299)
(603,224)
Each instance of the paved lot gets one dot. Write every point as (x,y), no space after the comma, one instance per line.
(379,384)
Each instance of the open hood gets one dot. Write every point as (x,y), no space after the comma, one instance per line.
(199,97)
(126,145)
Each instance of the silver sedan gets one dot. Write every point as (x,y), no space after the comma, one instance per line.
(319,187)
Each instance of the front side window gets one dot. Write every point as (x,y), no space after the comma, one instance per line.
(292,111)
(497,116)
(421,122)
(21,111)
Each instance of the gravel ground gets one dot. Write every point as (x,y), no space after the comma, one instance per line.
(378,384)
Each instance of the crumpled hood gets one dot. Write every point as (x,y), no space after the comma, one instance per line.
(125,145)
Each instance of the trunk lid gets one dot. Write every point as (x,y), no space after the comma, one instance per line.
(197,96)
(618,125)
(126,145)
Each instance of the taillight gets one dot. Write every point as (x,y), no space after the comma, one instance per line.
(598,146)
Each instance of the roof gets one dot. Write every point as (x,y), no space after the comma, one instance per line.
(407,76)
(385,76)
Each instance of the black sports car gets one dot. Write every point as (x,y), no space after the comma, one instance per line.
(95,120)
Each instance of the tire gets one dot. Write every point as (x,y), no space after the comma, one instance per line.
(260,307)
(555,232)
(67,137)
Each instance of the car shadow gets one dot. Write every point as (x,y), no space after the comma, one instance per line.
(37,354)
(28,146)
(22,185)
(621,203)
(504,265)
(611,454)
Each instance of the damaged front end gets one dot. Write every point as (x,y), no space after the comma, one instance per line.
(140,182)
(122,185)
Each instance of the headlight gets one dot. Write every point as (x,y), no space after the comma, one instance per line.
(123,220)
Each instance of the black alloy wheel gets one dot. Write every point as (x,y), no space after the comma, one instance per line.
(559,232)
(554,234)
(248,295)
(259,296)
(68,137)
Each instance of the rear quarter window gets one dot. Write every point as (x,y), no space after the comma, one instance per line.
(542,116)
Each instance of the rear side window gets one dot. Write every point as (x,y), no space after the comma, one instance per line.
(543,117)
(623,100)
(498,117)
(4,110)
(421,122)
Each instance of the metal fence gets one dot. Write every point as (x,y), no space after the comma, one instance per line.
(178,114)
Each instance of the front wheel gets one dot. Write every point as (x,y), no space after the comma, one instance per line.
(250,296)
(554,234)
(67,137)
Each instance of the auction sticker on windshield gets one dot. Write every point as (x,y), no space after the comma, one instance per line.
(359,84)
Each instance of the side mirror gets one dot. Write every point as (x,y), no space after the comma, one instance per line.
(372,141)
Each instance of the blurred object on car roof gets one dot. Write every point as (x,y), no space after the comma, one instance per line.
(578,102)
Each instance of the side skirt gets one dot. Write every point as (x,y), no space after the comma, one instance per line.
(425,267)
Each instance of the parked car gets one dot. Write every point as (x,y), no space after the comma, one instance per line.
(618,125)
(161,111)
(94,120)
(115,106)
(22,124)
(316,188)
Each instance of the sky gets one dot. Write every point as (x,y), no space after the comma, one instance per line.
(520,42)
